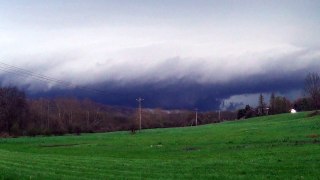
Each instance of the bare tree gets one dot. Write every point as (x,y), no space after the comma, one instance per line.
(13,110)
(312,88)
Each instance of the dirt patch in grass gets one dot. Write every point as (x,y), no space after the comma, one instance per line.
(191,149)
(313,136)
(314,113)
(58,145)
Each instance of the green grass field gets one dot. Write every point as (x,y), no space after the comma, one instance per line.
(284,146)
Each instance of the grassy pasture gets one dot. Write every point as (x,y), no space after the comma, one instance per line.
(285,146)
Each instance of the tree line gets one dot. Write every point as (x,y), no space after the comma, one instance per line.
(57,116)
(280,104)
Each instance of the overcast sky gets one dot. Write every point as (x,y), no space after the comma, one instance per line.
(142,42)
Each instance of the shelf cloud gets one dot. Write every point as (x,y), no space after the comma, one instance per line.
(187,52)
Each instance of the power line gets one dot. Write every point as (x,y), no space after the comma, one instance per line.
(21,73)
(24,72)
(27,72)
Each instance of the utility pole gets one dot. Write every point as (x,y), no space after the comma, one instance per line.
(48,123)
(140,111)
(219,114)
(196,109)
(88,116)
(41,114)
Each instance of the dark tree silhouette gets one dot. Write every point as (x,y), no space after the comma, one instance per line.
(272,103)
(261,105)
(312,88)
(13,110)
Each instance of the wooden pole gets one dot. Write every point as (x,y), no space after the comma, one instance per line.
(196,116)
(140,111)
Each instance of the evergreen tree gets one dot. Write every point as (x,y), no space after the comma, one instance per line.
(272,103)
(261,105)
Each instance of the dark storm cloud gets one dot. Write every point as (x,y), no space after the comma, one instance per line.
(186,94)
(186,83)
(174,54)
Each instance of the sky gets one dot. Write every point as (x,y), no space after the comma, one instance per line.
(175,54)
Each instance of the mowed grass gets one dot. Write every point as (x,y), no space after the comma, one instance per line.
(283,146)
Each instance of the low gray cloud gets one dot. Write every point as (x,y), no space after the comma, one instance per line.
(200,70)
(186,94)
(187,54)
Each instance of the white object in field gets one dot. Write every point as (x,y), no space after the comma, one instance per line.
(293,111)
